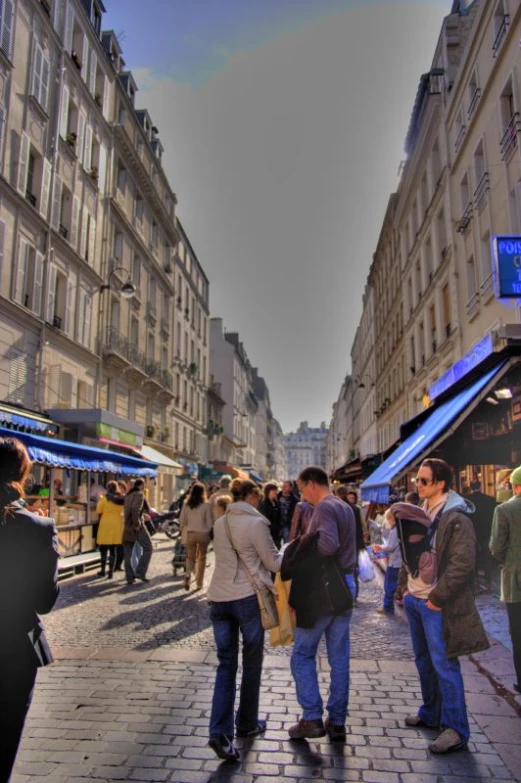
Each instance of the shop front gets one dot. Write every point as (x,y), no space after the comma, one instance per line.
(65,484)
(474,423)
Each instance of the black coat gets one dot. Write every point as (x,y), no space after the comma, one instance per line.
(293,500)
(28,583)
(272,513)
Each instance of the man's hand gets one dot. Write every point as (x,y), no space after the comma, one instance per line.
(432,606)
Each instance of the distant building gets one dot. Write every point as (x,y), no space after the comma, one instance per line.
(306,446)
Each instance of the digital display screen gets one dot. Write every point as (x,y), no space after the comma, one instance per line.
(507,257)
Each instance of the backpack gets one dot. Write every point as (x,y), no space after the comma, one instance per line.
(416,545)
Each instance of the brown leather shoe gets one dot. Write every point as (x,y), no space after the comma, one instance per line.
(307,729)
(448,741)
(336,733)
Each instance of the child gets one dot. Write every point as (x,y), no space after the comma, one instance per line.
(392,547)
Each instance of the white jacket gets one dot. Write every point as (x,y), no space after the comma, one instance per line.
(252,539)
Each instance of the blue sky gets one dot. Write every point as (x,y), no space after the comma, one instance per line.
(192,39)
(283,123)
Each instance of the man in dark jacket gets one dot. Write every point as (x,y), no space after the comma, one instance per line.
(443,620)
(287,502)
(482,520)
(135,530)
(334,522)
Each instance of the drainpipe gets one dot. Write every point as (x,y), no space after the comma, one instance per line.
(48,246)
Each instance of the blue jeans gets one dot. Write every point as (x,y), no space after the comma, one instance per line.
(137,551)
(440,677)
(304,665)
(228,618)
(390,585)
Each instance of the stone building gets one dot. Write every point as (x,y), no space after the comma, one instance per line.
(307,446)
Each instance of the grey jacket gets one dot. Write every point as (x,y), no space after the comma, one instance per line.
(133,512)
(252,539)
(505,545)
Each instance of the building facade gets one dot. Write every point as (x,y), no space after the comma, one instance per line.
(307,446)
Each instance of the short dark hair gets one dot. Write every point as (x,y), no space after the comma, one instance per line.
(316,474)
(353,492)
(268,487)
(412,497)
(475,485)
(441,471)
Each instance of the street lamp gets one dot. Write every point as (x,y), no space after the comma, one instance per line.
(128,290)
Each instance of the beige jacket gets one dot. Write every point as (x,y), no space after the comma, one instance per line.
(252,539)
(195,520)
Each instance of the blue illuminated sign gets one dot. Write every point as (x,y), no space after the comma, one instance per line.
(467,363)
(506,256)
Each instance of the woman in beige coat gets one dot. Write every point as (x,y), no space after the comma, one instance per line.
(195,524)
(242,540)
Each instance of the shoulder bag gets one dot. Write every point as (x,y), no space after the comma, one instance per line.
(265,597)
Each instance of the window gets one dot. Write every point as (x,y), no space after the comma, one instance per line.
(136,271)
(500,23)
(28,277)
(509,121)
(140,208)
(40,77)
(446,309)
(6,27)
(424,193)
(134,331)
(122,179)
(460,130)
(472,286)
(118,246)
(486,264)
(480,177)
(84,315)
(56,307)
(17,376)
(473,93)
(151,346)
(429,262)
(432,322)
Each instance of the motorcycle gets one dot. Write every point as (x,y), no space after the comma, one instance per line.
(167,523)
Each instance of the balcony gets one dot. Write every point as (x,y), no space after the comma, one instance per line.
(473,305)
(500,35)
(509,138)
(123,354)
(459,137)
(487,287)
(30,197)
(464,221)
(481,192)
(57,322)
(63,231)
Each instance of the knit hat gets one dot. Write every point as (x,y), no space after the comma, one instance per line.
(515,477)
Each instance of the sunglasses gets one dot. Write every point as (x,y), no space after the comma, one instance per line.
(423,481)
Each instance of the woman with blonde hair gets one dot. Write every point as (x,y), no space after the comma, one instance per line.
(28,587)
(244,549)
(110,528)
(195,525)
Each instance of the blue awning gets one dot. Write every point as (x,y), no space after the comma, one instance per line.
(377,487)
(75,456)
(256,477)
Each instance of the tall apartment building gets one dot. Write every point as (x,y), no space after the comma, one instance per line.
(94,260)
(280,457)
(307,446)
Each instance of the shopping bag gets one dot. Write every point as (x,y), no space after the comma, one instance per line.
(282,635)
(365,567)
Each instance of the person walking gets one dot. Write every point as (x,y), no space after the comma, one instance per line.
(270,508)
(28,587)
(443,620)
(110,528)
(287,502)
(505,546)
(195,525)
(482,520)
(333,522)
(243,545)
(350,497)
(135,530)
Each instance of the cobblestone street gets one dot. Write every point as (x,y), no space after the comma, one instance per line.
(129,698)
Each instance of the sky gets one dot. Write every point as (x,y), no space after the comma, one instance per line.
(283,123)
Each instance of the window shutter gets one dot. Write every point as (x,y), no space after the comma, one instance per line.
(2,125)
(69,27)
(7,27)
(80,136)
(37,70)
(69,308)
(21,272)
(92,242)
(106,89)
(64,113)
(67,389)
(46,186)
(85,59)
(92,72)
(84,232)
(102,169)
(56,18)
(37,283)
(51,294)
(87,157)
(85,313)
(75,219)
(56,203)
(23,164)
(44,87)
(17,377)
(2,246)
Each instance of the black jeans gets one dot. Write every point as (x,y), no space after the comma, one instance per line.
(110,550)
(514,620)
(16,691)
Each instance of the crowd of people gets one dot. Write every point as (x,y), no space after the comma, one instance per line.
(304,532)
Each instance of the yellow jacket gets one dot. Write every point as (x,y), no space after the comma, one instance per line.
(110,530)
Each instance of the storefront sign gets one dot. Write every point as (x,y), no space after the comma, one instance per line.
(506,257)
(472,359)
(116,435)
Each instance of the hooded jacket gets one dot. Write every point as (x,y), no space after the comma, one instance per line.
(453,591)
(252,539)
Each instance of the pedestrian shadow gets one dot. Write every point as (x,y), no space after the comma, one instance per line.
(228,770)
(307,757)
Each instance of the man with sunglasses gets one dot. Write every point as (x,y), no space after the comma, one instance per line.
(443,619)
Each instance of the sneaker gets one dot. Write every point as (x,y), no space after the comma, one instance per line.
(260,728)
(142,578)
(130,581)
(307,729)
(336,732)
(448,741)
(224,748)
(415,722)
(381,610)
